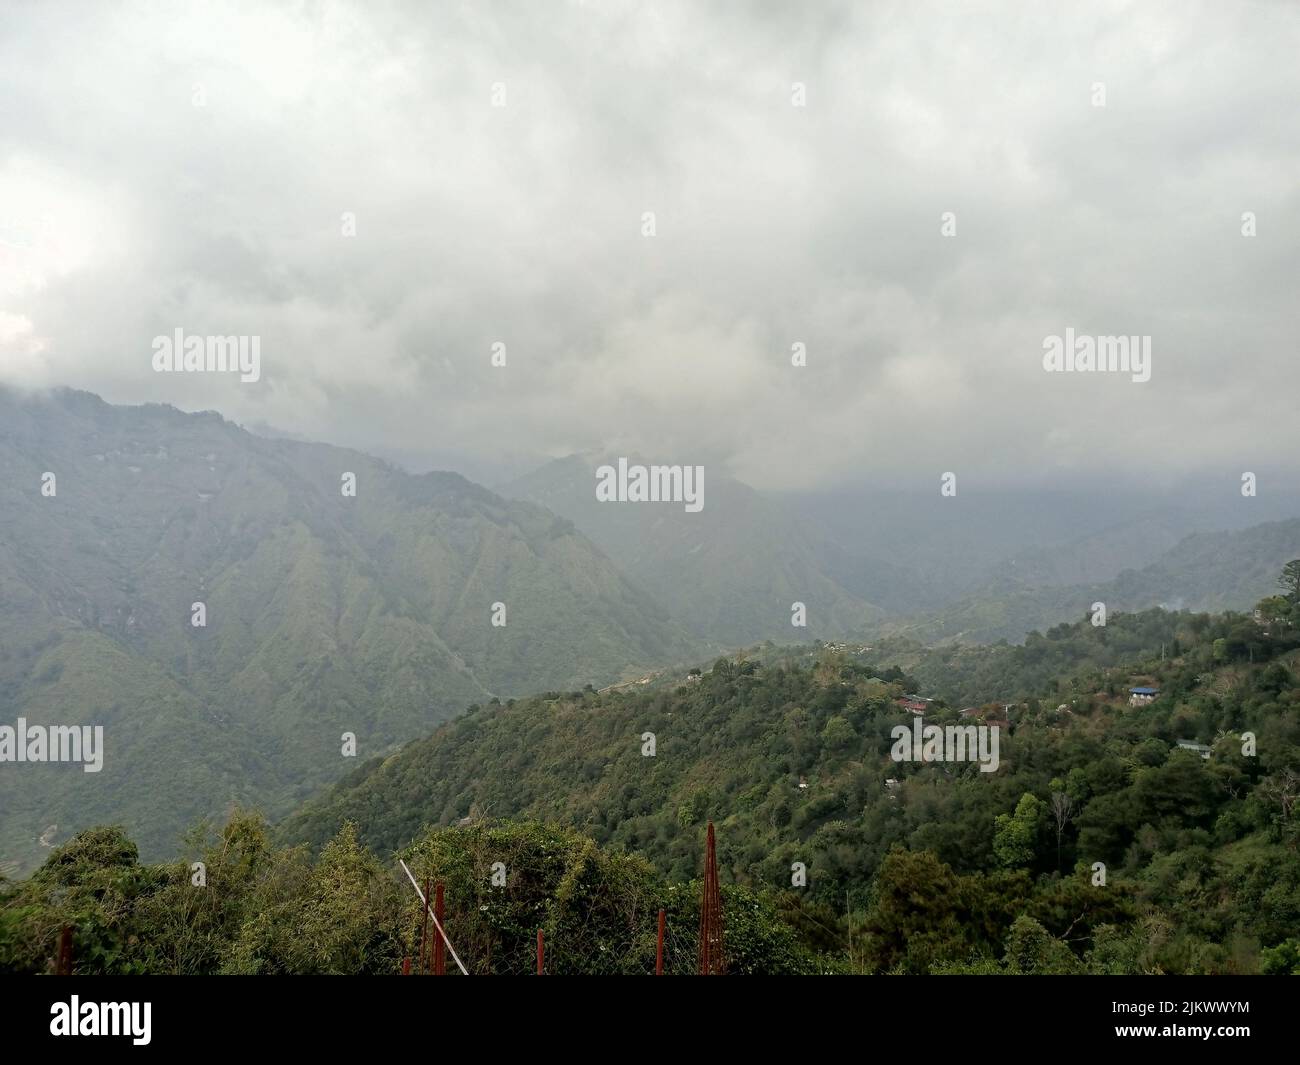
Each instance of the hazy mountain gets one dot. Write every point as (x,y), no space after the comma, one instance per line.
(325,613)
(1102,555)
(1204,572)
(730,572)
(952,547)
(371,614)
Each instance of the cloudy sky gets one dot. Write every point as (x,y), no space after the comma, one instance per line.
(166,166)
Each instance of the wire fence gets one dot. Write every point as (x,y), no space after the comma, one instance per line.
(592,940)
(488,949)
(587,921)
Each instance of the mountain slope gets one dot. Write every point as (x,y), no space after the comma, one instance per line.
(791,761)
(1202,572)
(325,613)
(729,573)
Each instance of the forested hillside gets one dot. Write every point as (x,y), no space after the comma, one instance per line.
(926,569)
(1202,572)
(323,613)
(791,762)
(1112,836)
(1098,846)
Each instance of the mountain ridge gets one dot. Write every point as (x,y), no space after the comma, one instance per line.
(324,613)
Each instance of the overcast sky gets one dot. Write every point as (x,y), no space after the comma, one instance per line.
(165,168)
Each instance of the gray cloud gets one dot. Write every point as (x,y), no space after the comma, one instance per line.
(128,211)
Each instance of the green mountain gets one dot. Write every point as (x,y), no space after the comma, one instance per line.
(728,573)
(1110,838)
(325,613)
(882,565)
(791,755)
(1207,571)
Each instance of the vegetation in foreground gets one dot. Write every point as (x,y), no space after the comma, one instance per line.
(1102,844)
(277,910)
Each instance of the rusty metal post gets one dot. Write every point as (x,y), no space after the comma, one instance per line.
(406,966)
(439,947)
(425,945)
(711,962)
(540,952)
(63,966)
(659,947)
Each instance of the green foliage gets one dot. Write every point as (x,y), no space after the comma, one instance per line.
(1290,580)
(838,733)
(597,909)
(324,614)
(788,752)
(1282,960)
(1015,838)
(339,916)
(266,910)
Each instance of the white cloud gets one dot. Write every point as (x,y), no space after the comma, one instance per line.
(521,224)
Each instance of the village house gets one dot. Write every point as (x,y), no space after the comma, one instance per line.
(990,713)
(1142,696)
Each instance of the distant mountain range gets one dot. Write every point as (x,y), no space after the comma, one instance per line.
(325,613)
(1202,572)
(975,571)
(372,614)
(729,573)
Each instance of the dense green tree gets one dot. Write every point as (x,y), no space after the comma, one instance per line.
(1290,580)
(1015,838)
(917,916)
(838,733)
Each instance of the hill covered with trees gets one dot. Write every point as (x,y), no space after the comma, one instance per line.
(323,612)
(1141,818)
(793,762)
